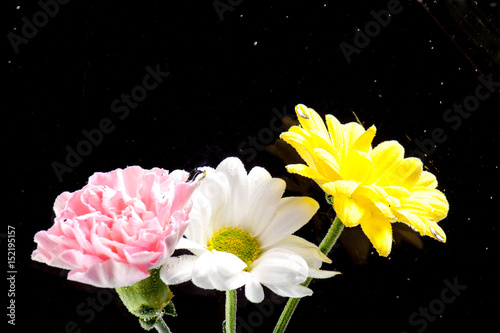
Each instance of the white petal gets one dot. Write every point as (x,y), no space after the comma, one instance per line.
(257,175)
(178,269)
(291,214)
(263,200)
(237,180)
(194,247)
(280,266)
(307,250)
(253,290)
(290,290)
(219,270)
(321,274)
(201,271)
(199,218)
(215,190)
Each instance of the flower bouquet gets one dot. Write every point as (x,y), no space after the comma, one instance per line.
(235,228)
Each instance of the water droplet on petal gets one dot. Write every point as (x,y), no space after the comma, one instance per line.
(438,236)
(301,113)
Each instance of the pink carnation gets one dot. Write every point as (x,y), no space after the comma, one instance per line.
(116,228)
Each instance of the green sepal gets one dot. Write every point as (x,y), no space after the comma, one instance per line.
(148,324)
(147,298)
(329,199)
(170,309)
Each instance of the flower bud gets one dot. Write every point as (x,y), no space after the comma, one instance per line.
(148,299)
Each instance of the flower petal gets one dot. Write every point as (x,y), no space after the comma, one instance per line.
(329,165)
(237,181)
(431,204)
(290,290)
(178,269)
(305,171)
(358,167)
(307,250)
(290,215)
(352,131)
(253,290)
(348,210)
(405,174)
(61,202)
(219,270)
(427,180)
(279,266)
(263,198)
(379,232)
(364,141)
(109,274)
(199,219)
(300,143)
(312,122)
(336,133)
(385,156)
(321,274)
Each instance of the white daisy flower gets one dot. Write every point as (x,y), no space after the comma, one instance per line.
(240,234)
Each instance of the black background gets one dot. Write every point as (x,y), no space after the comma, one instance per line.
(226,76)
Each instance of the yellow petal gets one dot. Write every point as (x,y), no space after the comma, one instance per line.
(346,187)
(430,204)
(409,170)
(300,144)
(310,120)
(352,131)
(396,191)
(412,220)
(371,193)
(436,232)
(336,133)
(421,225)
(422,209)
(378,229)
(297,135)
(364,142)
(427,179)
(305,171)
(347,209)
(405,174)
(313,138)
(358,167)
(349,212)
(385,156)
(299,130)
(376,198)
(318,141)
(330,164)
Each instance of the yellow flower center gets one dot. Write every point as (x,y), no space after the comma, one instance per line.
(236,241)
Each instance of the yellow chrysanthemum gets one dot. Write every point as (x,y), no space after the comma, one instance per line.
(371,187)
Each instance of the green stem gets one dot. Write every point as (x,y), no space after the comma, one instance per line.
(326,245)
(230,322)
(161,326)
(332,236)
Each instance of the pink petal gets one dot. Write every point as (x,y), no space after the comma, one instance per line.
(109,274)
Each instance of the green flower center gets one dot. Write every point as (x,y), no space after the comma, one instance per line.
(236,241)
